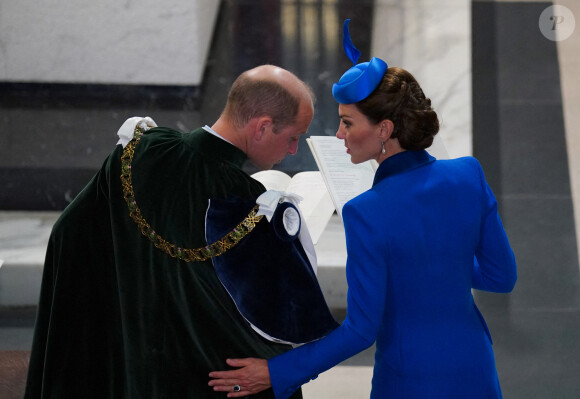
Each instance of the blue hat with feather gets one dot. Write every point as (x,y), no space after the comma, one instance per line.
(362,79)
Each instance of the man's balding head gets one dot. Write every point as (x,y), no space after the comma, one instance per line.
(267,90)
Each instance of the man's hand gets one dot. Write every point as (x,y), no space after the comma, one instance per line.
(251,377)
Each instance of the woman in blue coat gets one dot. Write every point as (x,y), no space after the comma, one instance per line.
(425,234)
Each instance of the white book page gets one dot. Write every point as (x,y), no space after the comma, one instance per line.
(316,205)
(344,179)
(273,179)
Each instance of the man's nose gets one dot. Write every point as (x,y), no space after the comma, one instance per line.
(293,148)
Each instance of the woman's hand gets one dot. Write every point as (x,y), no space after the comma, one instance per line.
(251,377)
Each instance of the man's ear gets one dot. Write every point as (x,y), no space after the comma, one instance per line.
(386,129)
(262,125)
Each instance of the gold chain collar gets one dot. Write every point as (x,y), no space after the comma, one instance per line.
(187,255)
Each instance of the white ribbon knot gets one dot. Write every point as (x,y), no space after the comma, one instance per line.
(269,200)
(127,129)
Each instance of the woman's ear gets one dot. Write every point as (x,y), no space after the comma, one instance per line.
(386,129)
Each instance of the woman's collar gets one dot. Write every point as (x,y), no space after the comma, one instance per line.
(402,162)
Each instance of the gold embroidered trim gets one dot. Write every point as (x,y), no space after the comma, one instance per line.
(187,255)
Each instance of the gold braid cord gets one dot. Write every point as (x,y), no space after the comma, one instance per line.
(187,255)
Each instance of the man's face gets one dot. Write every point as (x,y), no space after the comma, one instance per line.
(274,147)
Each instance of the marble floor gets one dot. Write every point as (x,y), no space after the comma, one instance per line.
(505,94)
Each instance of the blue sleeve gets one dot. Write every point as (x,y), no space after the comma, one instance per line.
(494,267)
(367,278)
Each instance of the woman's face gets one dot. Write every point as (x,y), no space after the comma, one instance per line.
(361,138)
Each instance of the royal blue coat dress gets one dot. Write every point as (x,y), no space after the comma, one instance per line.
(418,241)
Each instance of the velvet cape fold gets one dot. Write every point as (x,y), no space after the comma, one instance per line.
(269,276)
(119,318)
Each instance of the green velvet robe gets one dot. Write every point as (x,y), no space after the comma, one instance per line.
(119,318)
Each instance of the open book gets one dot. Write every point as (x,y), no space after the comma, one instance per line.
(344,180)
(338,181)
(316,206)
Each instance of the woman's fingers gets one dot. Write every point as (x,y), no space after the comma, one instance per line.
(252,377)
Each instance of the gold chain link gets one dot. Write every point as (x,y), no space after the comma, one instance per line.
(187,255)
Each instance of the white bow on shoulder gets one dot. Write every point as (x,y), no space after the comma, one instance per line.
(127,129)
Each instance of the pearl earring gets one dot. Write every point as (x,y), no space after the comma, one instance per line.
(383,151)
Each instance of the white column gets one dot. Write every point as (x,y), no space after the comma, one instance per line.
(569,60)
(432,40)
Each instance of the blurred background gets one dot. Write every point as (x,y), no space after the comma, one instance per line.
(502,75)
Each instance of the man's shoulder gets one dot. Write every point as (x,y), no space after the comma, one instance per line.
(162,136)
(171,129)
(160,130)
